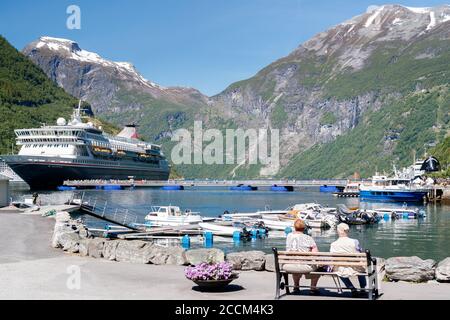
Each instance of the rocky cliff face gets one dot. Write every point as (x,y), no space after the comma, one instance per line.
(323,90)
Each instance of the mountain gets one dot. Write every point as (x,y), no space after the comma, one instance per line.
(356,97)
(327,95)
(27,97)
(115,90)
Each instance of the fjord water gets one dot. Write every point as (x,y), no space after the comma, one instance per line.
(426,238)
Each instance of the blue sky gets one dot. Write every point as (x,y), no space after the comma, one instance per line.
(205,44)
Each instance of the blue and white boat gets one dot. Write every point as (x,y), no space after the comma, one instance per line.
(394,189)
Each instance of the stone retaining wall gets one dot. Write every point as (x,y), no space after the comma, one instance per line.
(73,237)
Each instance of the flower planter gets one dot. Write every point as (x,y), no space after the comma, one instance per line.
(210,276)
(215,284)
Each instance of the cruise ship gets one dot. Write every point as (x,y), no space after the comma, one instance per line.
(74,150)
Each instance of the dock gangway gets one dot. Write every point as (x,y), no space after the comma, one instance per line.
(100,209)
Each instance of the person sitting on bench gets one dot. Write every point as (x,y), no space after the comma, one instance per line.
(301,242)
(344,244)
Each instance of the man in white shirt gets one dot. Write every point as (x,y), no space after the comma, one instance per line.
(344,244)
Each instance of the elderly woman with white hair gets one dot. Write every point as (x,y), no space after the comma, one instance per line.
(344,244)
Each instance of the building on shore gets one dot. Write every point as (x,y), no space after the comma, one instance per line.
(4,191)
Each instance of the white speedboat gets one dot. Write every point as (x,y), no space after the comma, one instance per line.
(277,224)
(220,229)
(310,220)
(171,216)
(240,216)
(314,215)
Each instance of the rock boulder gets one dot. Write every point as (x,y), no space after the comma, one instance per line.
(443,270)
(197,256)
(165,255)
(83,247)
(109,249)
(69,241)
(247,260)
(270,263)
(412,269)
(95,247)
(128,251)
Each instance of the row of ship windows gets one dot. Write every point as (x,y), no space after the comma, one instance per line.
(46,145)
(49,133)
(49,140)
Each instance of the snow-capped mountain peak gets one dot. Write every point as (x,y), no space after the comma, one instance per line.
(71,50)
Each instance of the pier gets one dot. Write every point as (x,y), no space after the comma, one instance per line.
(87,184)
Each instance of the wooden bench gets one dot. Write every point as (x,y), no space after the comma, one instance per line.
(321,259)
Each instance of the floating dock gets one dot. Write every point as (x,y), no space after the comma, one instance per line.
(288,185)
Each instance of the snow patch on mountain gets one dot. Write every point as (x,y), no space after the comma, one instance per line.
(432,20)
(423,10)
(72,51)
(397,22)
(373,16)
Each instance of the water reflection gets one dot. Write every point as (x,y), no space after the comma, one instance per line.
(426,238)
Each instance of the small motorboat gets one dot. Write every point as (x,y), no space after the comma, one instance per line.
(225,229)
(268,211)
(316,207)
(311,220)
(239,216)
(314,215)
(171,216)
(277,224)
(358,217)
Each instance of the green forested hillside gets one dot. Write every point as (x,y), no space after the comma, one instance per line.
(27,97)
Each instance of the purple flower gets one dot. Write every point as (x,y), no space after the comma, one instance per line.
(206,271)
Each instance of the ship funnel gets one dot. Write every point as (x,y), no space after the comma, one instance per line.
(129,132)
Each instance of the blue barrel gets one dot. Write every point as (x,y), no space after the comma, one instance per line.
(405,215)
(186,242)
(236,236)
(287,230)
(386,216)
(209,239)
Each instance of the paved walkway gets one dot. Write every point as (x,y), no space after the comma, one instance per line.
(31,269)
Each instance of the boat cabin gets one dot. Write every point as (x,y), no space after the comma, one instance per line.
(166,211)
